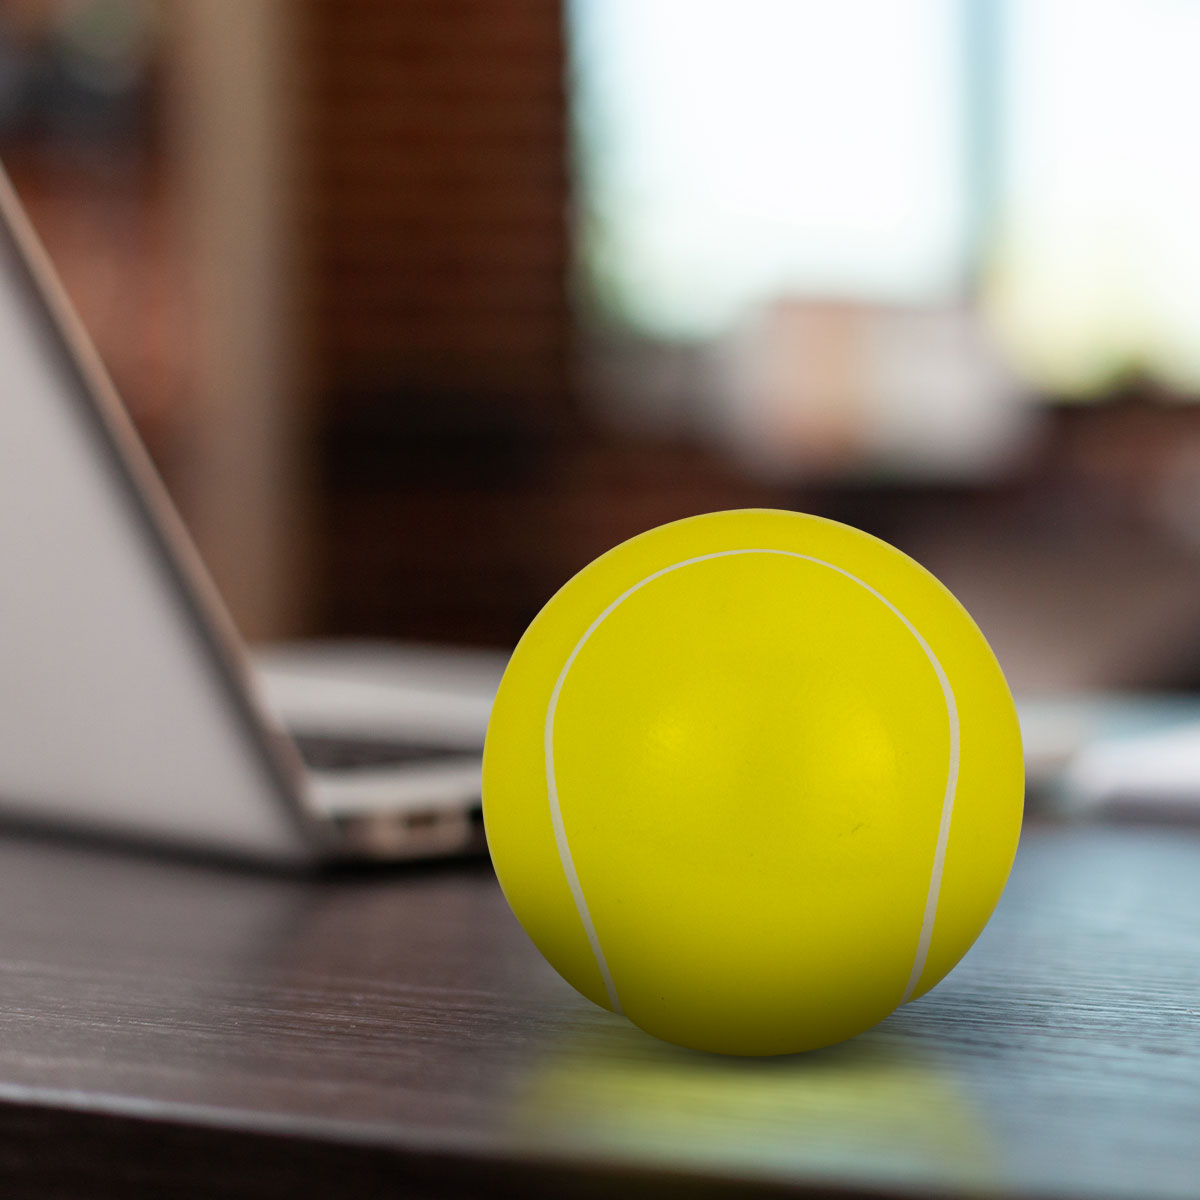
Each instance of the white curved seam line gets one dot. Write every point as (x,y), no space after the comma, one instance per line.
(939,852)
(556,819)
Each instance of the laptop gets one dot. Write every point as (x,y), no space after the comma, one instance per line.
(129,707)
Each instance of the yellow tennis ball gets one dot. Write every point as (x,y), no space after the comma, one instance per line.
(753,779)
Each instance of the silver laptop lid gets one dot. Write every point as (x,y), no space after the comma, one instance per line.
(124,703)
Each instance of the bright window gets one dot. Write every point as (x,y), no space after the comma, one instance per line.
(1042,156)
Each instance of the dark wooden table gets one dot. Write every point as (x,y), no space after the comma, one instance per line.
(183,1030)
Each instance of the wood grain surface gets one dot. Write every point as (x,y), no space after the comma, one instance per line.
(184,1029)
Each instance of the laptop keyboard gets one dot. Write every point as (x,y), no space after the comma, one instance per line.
(334,752)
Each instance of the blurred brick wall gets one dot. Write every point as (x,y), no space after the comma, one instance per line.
(435,148)
(438,128)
